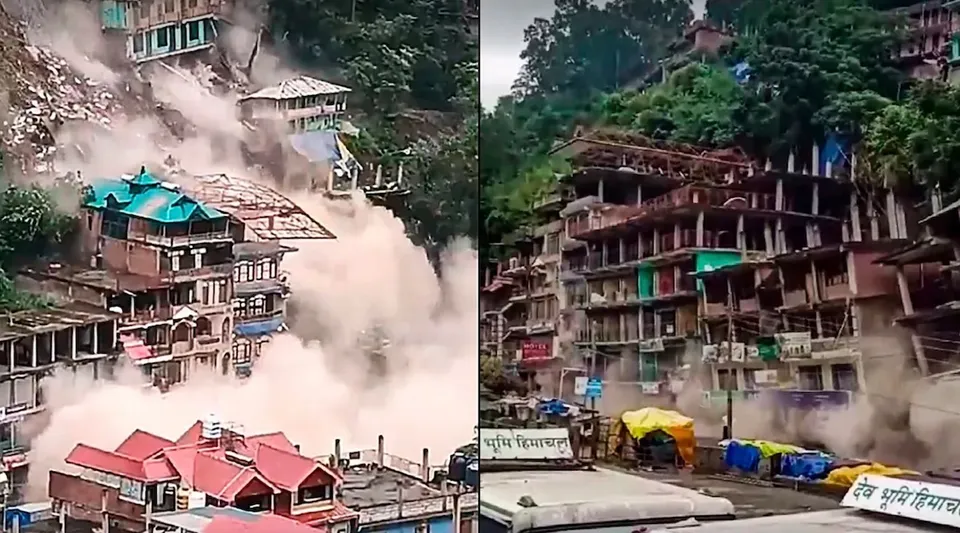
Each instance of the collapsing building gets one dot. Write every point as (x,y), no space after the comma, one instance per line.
(165,261)
(679,264)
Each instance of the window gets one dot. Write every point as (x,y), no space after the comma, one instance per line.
(138,43)
(181,333)
(749,379)
(844,377)
(553,244)
(727,379)
(259,271)
(810,378)
(222,291)
(191,3)
(204,327)
(273,269)
(193,28)
(314,494)
(145,8)
(258,305)
(241,353)
(168,6)
(239,308)
(163,40)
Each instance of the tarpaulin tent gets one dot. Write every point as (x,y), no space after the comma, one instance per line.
(641,422)
(846,475)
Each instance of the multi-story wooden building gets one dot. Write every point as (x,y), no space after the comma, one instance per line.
(301,104)
(157,29)
(260,293)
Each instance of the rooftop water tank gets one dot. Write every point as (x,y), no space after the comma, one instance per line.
(211,428)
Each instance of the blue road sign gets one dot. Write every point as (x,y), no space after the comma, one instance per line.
(594,388)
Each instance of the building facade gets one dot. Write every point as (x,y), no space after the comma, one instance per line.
(260,296)
(678,265)
(160,29)
(299,104)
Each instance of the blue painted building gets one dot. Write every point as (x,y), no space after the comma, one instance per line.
(259,304)
(157,30)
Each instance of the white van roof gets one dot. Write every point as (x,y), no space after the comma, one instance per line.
(590,497)
(815,522)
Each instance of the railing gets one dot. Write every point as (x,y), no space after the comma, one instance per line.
(184,240)
(147,315)
(607,216)
(266,315)
(222,269)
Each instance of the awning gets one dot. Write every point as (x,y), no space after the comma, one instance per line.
(134,348)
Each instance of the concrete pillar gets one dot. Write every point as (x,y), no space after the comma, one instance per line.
(96,339)
(73,347)
(600,190)
(425,466)
(778,196)
(33,350)
(741,234)
(815,200)
(815,164)
(768,239)
(856,232)
(380,451)
(700,221)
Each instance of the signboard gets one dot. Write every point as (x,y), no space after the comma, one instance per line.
(547,444)
(594,388)
(533,351)
(933,503)
(811,399)
(795,344)
(580,385)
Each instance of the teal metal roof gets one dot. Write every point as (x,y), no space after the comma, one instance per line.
(144,196)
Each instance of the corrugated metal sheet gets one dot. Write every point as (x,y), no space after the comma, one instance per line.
(296,88)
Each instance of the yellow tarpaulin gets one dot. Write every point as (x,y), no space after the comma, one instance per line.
(643,421)
(845,476)
(769,449)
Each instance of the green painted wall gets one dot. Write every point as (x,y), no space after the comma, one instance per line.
(714,259)
(645,282)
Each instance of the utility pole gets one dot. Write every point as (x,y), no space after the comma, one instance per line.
(593,360)
(730,375)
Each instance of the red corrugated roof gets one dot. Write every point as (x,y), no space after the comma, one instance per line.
(142,445)
(114,463)
(339,513)
(287,470)
(264,524)
(203,464)
(223,479)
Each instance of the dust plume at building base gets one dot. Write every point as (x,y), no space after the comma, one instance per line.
(316,391)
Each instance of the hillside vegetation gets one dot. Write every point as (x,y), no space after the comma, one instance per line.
(816,68)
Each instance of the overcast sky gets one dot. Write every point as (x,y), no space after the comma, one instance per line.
(501,40)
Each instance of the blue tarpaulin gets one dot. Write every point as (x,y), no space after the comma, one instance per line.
(835,152)
(741,72)
(744,457)
(554,407)
(322,147)
(808,466)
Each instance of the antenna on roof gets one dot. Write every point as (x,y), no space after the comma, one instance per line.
(143,169)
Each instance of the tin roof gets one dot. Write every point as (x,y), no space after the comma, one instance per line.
(297,87)
(145,196)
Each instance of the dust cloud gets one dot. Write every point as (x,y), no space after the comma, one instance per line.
(315,382)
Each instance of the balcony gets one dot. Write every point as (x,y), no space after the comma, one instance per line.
(262,286)
(185,240)
(199,273)
(146,316)
(605,220)
(260,324)
(795,298)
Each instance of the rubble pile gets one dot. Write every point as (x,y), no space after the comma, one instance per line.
(40,92)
